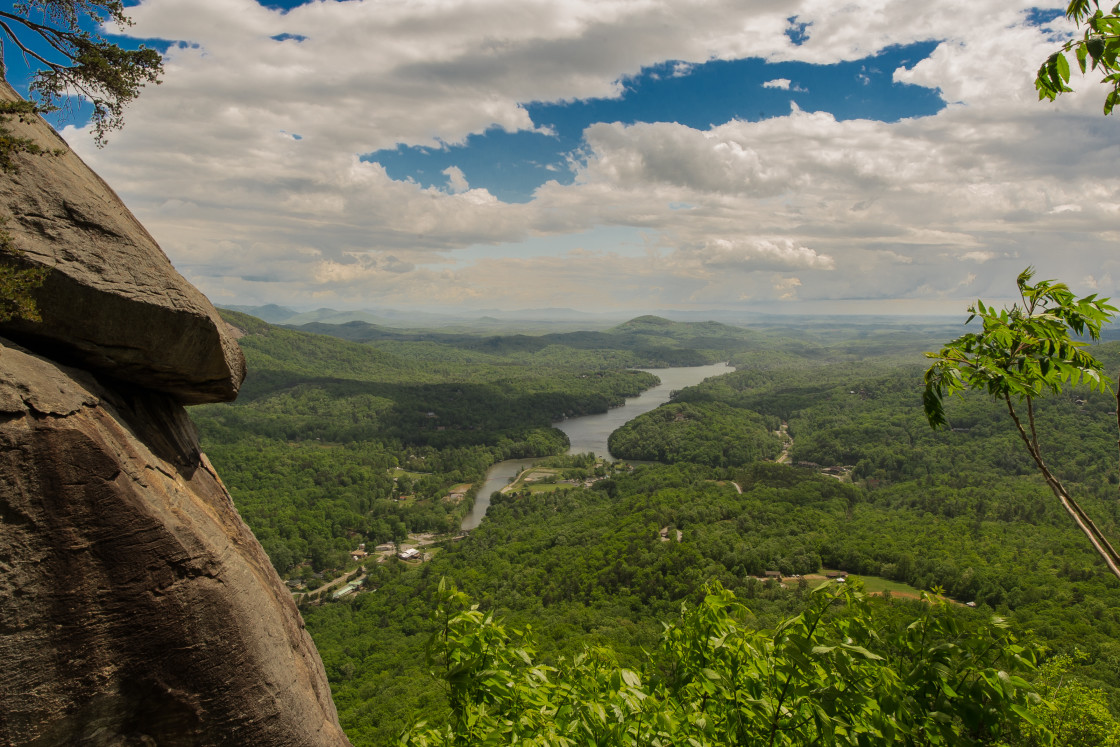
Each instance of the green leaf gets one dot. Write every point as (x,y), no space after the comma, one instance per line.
(1027,715)
(1062,67)
(862,652)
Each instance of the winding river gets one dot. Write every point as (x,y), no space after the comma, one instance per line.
(590,432)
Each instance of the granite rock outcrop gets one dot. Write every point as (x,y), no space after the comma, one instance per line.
(112,301)
(138,609)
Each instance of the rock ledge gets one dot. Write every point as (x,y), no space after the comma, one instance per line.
(113,302)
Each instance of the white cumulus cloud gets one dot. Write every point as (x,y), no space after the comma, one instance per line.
(857,208)
(456,180)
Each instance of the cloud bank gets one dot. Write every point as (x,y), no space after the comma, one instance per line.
(246,163)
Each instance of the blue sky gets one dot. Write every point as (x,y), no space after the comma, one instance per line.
(621,155)
(511,165)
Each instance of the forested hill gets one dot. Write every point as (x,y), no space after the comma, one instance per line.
(654,342)
(662,327)
(332,443)
(649,342)
(336,443)
(908,508)
(277,356)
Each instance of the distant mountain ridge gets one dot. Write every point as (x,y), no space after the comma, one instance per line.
(481,318)
(554,319)
(270,313)
(649,340)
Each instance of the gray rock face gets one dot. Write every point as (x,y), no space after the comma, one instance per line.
(113,302)
(138,608)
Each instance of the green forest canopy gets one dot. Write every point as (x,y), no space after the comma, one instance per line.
(598,568)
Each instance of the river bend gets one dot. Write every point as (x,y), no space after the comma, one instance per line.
(589,433)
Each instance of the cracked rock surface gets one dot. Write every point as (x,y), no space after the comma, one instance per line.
(113,302)
(138,609)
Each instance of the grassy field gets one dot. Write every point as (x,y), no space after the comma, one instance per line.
(530,476)
(871,584)
(876,585)
(547,487)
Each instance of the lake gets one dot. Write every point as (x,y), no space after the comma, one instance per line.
(590,432)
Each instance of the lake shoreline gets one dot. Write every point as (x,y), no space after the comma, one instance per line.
(589,433)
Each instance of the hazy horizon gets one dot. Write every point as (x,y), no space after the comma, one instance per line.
(510,317)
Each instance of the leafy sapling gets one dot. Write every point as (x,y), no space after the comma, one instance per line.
(1023,353)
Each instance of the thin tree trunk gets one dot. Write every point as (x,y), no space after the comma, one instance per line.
(1084,523)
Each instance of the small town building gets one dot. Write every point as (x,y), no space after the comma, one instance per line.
(350,588)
